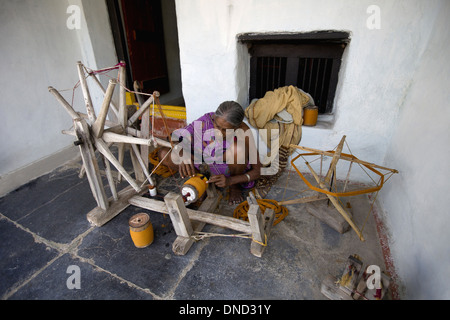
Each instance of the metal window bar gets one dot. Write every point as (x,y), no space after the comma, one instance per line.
(313,76)
(271,73)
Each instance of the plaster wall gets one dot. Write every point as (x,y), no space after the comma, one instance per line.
(35,54)
(39,50)
(375,74)
(416,202)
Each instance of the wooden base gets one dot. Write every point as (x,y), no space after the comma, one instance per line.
(181,245)
(187,222)
(256,248)
(99,216)
(328,214)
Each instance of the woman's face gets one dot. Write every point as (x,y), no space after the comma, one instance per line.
(221,124)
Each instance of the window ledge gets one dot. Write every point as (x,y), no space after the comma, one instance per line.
(324,121)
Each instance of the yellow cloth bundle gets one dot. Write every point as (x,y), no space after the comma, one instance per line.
(289,98)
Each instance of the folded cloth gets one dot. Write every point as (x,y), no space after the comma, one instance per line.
(261,113)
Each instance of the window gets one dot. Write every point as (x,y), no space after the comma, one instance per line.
(309,61)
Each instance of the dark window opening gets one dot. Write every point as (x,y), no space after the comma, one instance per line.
(309,61)
(271,74)
(314,76)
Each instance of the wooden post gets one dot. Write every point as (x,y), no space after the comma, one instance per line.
(337,205)
(317,197)
(99,124)
(334,160)
(103,149)
(90,163)
(329,215)
(109,176)
(123,112)
(145,128)
(145,134)
(256,248)
(73,114)
(86,94)
(256,222)
(138,170)
(260,226)
(109,136)
(181,245)
(140,112)
(142,165)
(113,105)
(178,214)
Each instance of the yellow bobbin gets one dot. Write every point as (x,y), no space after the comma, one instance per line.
(310,115)
(195,186)
(199,182)
(141,230)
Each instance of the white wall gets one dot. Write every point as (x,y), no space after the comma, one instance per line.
(35,54)
(375,72)
(416,202)
(38,50)
(384,93)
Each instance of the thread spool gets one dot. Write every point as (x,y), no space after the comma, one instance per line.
(310,114)
(194,188)
(152,190)
(141,230)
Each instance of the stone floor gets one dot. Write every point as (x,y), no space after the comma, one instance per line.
(44,234)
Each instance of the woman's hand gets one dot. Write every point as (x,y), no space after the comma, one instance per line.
(186,169)
(220,180)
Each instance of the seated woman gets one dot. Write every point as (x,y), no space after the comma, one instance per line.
(236,164)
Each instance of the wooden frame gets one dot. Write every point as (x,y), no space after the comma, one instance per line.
(91,134)
(324,190)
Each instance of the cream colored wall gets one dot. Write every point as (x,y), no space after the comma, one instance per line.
(391,103)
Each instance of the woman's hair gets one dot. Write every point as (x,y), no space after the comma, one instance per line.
(232,112)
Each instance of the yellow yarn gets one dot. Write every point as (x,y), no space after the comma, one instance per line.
(162,170)
(280,211)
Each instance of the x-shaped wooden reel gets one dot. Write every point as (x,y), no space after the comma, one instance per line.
(323,189)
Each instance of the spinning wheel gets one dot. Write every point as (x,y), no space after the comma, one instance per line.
(96,133)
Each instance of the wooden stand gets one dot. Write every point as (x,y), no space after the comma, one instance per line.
(329,215)
(324,186)
(92,135)
(187,222)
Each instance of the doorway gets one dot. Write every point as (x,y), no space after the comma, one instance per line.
(146,38)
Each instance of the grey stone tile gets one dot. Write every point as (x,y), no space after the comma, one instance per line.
(21,256)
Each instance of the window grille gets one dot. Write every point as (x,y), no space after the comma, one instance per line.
(308,61)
